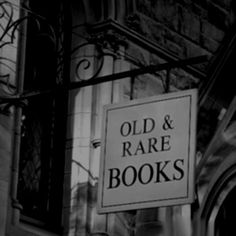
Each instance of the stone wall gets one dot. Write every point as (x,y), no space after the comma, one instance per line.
(5,157)
(9,13)
(185,28)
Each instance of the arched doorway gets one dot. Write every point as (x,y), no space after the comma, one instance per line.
(221,218)
(225,219)
(216,213)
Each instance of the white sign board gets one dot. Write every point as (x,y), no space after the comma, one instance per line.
(147,153)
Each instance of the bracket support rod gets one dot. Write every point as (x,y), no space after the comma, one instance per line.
(112,77)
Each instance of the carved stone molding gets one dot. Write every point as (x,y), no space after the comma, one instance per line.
(109,40)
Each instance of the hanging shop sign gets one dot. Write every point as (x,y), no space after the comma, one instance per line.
(147,153)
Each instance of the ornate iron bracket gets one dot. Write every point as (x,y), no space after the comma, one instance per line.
(135,72)
(9,28)
(104,43)
(112,77)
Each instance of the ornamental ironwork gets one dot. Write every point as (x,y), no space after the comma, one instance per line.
(77,57)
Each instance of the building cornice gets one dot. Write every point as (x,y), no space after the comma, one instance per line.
(149,45)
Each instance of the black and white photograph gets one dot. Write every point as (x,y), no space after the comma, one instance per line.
(117,117)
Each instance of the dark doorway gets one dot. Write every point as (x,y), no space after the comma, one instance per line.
(225,220)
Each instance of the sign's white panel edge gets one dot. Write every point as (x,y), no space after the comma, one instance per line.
(158,203)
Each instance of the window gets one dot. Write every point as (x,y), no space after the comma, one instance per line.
(41,164)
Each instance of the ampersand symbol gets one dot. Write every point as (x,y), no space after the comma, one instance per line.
(167,123)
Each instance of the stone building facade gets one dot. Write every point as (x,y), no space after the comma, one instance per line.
(61,62)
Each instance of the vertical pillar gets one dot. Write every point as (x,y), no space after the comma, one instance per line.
(78,146)
(101,96)
(5,157)
(13,57)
